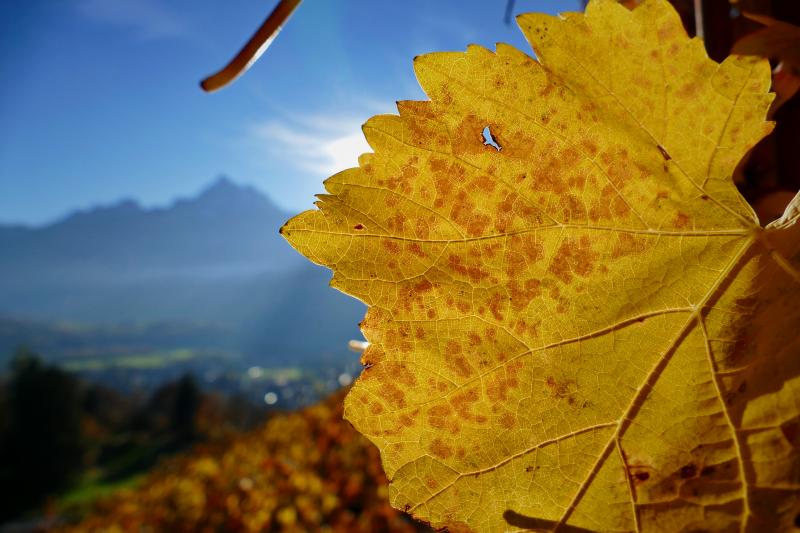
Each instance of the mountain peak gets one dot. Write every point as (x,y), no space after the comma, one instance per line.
(221,185)
(225,190)
(126,205)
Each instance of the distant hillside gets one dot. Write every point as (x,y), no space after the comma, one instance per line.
(215,259)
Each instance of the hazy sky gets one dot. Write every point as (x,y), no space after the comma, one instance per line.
(100,100)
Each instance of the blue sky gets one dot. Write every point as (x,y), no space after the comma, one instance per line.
(100,98)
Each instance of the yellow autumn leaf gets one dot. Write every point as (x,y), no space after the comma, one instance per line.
(584,327)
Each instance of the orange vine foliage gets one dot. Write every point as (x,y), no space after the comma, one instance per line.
(305,471)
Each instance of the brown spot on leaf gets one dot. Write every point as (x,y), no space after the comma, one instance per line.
(405,421)
(620,207)
(618,167)
(508,421)
(572,208)
(523,294)
(548,175)
(462,403)
(504,215)
(396,223)
(463,213)
(570,156)
(438,416)
(403,375)
(590,146)
(689,91)
(457,361)
(559,389)
(601,208)
(628,244)
(442,177)
(440,449)
(681,220)
(574,256)
(423,286)
(408,296)
(393,394)
(484,183)
(494,306)
(415,249)
(473,338)
(490,250)
(577,181)
(468,135)
(523,251)
(473,272)
(423,229)
(667,31)
(499,385)
(391,246)
(461,366)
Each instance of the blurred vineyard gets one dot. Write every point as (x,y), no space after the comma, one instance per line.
(302,471)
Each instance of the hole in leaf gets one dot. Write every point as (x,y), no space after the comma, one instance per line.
(488,140)
(358,227)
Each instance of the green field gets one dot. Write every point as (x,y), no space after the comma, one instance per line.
(147,360)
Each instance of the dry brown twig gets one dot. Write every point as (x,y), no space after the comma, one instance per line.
(253,49)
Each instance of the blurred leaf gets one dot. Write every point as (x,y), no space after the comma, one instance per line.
(779,41)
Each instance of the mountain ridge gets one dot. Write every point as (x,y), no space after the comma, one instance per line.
(215,258)
(225,226)
(220,186)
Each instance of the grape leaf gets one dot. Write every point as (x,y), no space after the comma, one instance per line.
(575,320)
